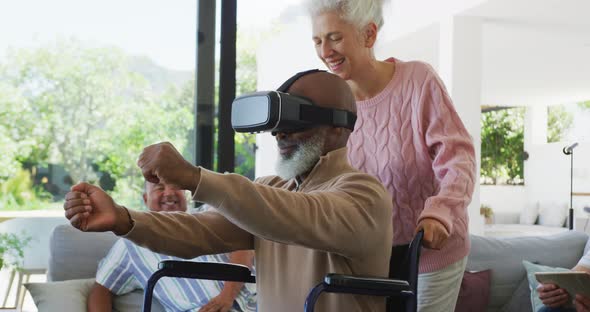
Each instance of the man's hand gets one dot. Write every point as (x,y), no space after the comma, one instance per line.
(435,233)
(162,163)
(582,303)
(221,303)
(90,209)
(552,296)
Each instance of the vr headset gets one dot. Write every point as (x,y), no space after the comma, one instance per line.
(278,111)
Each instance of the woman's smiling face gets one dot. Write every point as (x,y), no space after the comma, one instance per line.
(339,44)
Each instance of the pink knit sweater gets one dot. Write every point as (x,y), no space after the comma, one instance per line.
(411,138)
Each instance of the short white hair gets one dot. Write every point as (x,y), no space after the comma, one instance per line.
(357,12)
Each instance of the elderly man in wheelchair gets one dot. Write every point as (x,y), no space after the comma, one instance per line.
(318,216)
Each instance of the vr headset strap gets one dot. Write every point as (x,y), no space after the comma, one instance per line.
(317,114)
(287,84)
(326,116)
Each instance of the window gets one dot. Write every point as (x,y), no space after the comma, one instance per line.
(502,146)
(84,87)
(569,122)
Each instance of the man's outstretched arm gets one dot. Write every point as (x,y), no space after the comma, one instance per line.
(179,234)
(225,300)
(100,299)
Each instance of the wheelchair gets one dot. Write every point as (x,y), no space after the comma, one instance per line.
(400,288)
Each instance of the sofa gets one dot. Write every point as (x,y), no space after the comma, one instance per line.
(74,256)
(534,219)
(509,289)
(73,261)
(511,224)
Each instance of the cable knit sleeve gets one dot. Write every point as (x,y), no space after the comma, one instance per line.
(451,149)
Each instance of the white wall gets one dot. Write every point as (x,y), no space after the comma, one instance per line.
(547,180)
(421,44)
(406,16)
(506,198)
(460,67)
(548,174)
(289,52)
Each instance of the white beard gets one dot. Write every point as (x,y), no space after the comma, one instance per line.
(302,160)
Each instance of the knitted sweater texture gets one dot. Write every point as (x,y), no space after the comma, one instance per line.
(411,138)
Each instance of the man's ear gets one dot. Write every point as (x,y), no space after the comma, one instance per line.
(335,131)
(145,199)
(339,130)
(339,133)
(370,33)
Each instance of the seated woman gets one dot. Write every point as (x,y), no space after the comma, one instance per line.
(556,299)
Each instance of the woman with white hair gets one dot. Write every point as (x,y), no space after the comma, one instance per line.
(409,135)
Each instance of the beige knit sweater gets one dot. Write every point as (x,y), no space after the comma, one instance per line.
(338,220)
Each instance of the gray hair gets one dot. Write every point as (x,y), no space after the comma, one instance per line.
(357,12)
(303,159)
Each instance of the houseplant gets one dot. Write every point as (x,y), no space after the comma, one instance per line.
(12,249)
(487,213)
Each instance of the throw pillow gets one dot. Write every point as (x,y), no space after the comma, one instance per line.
(62,296)
(520,299)
(552,214)
(531,269)
(474,293)
(71,296)
(133,301)
(529,214)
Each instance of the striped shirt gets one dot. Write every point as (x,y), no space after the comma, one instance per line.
(127,267)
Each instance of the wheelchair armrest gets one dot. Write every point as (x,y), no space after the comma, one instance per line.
(366,283)
(198,270)
(207,270)
(359,285)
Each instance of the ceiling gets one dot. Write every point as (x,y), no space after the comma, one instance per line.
(550,12)
(534,52)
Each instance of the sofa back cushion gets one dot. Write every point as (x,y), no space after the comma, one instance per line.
(503,256)
(36,253)
(553,213)
(74,254)
(506,217)
(529,214)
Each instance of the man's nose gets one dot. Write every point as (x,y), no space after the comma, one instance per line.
(169,190)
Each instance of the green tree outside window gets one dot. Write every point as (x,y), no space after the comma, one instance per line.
(502,146)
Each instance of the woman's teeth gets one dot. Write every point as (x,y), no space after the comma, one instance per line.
(334,64)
